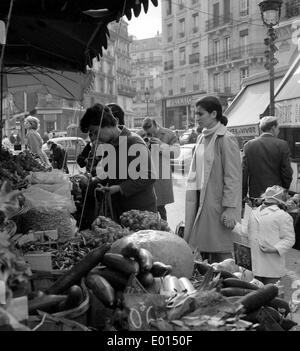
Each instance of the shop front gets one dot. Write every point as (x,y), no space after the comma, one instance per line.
(178,111)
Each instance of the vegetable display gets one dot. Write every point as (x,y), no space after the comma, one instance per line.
(142,220)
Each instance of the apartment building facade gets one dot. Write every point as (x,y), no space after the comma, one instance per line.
(147,63)
(230,45)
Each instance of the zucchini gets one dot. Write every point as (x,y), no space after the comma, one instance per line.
(145,260)
(74,299)
(101,288)
(237,283)
(160,269)
(115,278)
(253,316)
(287,324)
(171,284)
(186,285)
(120,263)
(259,298)
(280,305)
(201,267)
(45,303)
(131,250)
(235,291)
(146,279)
(79,270)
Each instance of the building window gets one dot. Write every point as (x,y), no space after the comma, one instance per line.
(217,82)
(170,32)
(227,47)
(151,83)
(227,80)
(196,81)
(111,87)
(244,7)
(194,2)
(182,83)
(244,73)
(244,39)
(216,50)
(216,14)
(180,4)
(195,48)
(170,86)
(182,56)
(181,32)
(142,85)
(195,22)
(169,7)
(151,55)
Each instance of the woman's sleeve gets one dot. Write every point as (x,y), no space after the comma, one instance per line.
(231,163)
(287,234)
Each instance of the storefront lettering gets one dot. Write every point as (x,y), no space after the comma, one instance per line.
(244,131)
(181,101)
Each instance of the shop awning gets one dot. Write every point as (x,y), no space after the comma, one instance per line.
(249,104)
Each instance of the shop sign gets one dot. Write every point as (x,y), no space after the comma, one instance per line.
(288,113)
(245,131)
(181,101)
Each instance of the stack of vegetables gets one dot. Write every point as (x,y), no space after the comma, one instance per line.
(15,168)
(142,220)
(68,291)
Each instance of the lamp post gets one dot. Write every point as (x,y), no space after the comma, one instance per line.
(270,13)
(147,96)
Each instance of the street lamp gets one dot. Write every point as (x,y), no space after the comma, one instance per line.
(270,13)
(147,96)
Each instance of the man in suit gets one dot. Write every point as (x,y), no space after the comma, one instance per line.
(266,160)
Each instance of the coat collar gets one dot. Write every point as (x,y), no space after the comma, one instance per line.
(267,210)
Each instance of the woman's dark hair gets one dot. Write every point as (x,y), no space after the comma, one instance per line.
(210,104)
(93,117)
(118,112)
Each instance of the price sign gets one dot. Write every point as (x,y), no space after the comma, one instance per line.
(144,308)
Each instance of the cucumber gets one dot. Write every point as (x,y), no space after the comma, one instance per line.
(160,269)
(237,283)
(235,291)
(120,263)
(253,316)
(74,299)
(155,286)
(146,279)
(258,298)
(287,324)
(171,284)
(101,288)
(115,278)
(80,269)
(145,260)
(45,303)
(280,305)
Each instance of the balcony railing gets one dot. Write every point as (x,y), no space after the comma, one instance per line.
(238,53)
(219,21)
(292,8)
(244,13)
(169,65)
(194,58)
(126,90)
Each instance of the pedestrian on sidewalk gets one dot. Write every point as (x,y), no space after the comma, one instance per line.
(266,160)
(271,234)
(214,187)
(169,147)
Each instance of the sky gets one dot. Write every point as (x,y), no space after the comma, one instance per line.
(146,25)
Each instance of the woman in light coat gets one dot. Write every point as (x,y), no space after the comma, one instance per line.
(213,196)
(271,234)
(33,140)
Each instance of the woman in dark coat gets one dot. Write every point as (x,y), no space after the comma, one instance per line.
(129,182)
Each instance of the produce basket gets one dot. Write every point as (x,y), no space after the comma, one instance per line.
(42,280)
(49,323)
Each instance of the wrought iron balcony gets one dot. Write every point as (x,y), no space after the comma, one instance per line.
(194,58)
(237,53)
(219,21)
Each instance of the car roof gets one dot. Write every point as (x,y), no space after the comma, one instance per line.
(65,138)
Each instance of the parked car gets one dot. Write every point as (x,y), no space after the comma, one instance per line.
(188,137)
(73,145)
(183,162)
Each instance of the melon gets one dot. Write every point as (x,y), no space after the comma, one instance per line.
(165,247)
